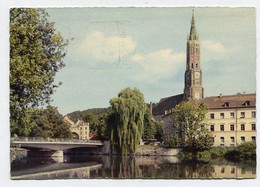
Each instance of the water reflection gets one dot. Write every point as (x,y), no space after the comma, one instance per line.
(99,166)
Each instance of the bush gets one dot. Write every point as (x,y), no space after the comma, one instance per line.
(203,155)
(247,150)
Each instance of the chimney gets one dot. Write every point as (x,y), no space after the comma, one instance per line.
(151,108)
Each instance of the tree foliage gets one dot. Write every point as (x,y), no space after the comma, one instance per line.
(128,120)
(188,120)
(93,111)
(97,124)
(36,54)
(45,123)
(152,128)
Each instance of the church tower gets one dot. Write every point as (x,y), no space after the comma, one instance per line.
(193,75)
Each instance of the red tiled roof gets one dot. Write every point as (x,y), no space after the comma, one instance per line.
(230,101)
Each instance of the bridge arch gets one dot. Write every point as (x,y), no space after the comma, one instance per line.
(75,135)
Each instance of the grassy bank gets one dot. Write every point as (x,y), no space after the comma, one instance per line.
(246,151)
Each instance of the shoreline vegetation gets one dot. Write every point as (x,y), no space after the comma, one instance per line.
(243,152)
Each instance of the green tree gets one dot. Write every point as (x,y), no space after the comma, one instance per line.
(48,123)
(188,120)
(158,130)
(36,54)
(152,128)
(149,126)
(127,129)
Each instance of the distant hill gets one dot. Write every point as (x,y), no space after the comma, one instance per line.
(74,116)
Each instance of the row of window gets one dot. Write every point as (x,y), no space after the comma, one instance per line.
(85,128)
(232,139)
(232,127)
(232,115)
(233,169)
(85,133)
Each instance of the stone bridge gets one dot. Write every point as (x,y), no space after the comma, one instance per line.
(54,146)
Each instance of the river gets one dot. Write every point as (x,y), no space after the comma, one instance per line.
(145,167)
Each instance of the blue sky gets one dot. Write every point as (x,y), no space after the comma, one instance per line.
(115,48)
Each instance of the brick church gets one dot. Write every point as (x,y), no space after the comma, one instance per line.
(232,118)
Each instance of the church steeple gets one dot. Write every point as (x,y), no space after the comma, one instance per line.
(193,28)
(193,33)
(193,74)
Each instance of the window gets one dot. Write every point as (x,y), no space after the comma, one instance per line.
(232,115)
(242,115)
(222,115)
(232,127)
(211,127)
(226,104)
(196,64)
(253,138)
(212,116)
(247,103)
(221,127)
(222,170)
(242,139)
(222,139)
(253,127)
(233,170)
(86,128)
(213,139)
(253,114)
(232,139)
(242,127)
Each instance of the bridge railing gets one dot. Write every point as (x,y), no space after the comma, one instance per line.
(40,139)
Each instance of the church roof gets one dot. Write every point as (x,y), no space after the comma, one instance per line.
(230,101)
(166,104)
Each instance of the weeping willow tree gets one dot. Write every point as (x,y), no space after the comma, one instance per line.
(127,127)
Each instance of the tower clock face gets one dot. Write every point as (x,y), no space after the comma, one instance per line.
(197,75)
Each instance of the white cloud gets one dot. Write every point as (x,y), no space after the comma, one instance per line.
(158,65)
(98,46)
(213,50)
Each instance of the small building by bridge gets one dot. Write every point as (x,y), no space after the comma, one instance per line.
(80,129)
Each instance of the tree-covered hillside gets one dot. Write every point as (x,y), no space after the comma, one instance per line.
(74,116)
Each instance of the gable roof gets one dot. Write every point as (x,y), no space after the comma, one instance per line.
(166,104)
(230,101)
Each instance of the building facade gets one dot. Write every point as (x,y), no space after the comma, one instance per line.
(231,119)
(80,129)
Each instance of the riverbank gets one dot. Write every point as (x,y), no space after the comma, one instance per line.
(246,151)
(148,150)
(17,152)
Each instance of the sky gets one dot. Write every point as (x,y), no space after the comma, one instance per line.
(115,48)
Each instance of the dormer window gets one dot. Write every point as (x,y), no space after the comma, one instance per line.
(247,103)
(226,104)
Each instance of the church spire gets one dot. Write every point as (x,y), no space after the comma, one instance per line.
(193,75)
(193,32)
